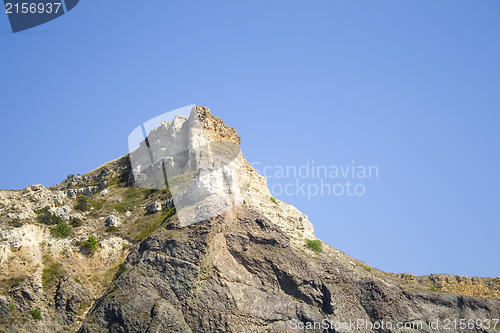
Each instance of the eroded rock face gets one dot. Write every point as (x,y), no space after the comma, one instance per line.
(240,273)
(200,159)
(71,299)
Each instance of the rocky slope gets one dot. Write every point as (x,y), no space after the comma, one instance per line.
(248,269)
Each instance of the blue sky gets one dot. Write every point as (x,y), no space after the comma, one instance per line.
(409,86)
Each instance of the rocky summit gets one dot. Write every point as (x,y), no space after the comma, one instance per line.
(109,252)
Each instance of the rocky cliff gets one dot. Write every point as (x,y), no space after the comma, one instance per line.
(97,253)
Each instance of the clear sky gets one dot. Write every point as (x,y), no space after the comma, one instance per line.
(412,87)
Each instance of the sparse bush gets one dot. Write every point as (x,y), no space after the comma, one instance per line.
(314,245)
(61,230)
(36,313)
(273,199)
(13,281)
(65,252)
(244,188)
(12,306)
(16,223)
(45,216)
(111,229)
(91,244)
(148,193)
(51,272)
(367,268)
(433,288)
(121,269)
(82,203)
(75,222)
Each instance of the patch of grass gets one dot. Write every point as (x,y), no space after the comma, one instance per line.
(82,203)
(45,216)
(75,222)
(148,193)
(433,288)
(273,199)
(113,181)
(91,244)
(96,204)
(84,306)
(367,268)
(36,313)
(314,245)
(154,225)
(173,234)
(121,207)
(12,306)
(131,199)
(61,230)
(50,273)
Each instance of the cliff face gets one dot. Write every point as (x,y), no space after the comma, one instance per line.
(245,269)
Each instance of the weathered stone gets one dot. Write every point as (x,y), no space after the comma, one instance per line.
(16,243)
(153,207)
(112,221)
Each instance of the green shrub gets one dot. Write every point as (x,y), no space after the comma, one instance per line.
(314,245)
(433,288)
(82,203)
(36,313)
(91,244)
(61,230)
(51,272)
(367,268)
(12,306)
(75,222)
(273,199)
(45,216)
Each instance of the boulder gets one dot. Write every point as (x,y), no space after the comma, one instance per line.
(153,207)
(112,221)
(16,243)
